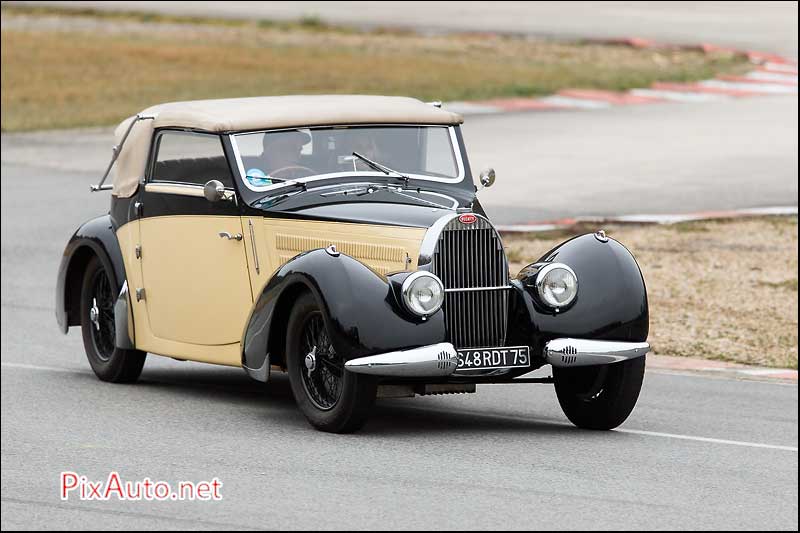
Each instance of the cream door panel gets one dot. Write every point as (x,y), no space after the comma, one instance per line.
(273,241)
(197,287)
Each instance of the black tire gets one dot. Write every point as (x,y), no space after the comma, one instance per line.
(331,398)
(108,362)
(599,397)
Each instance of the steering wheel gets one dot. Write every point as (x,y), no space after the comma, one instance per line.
(290,171)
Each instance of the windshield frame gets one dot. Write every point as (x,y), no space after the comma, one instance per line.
(454,144)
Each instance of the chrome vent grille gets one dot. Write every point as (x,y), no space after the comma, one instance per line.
(444,361)
(471,262)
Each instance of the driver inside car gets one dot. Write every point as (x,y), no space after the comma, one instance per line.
(281,156)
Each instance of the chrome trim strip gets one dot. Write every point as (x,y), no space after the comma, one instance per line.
(238,156)
(253,244)
(475,289)
(567,352)
(431,238)
(434,360)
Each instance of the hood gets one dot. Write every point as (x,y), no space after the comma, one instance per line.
(390,214)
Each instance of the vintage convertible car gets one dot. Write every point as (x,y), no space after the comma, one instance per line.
(339,239)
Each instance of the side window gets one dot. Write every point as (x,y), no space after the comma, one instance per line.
(192,158)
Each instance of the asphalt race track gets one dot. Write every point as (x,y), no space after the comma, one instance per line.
(698,452)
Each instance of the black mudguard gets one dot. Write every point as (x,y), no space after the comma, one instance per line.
(95,237)
(611,302)
(362,311)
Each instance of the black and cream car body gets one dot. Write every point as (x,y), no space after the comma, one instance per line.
(339,239)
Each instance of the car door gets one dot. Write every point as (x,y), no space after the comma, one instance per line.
(194,267)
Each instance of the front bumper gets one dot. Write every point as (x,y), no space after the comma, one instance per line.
(441,360)
(435,360)
(584,352)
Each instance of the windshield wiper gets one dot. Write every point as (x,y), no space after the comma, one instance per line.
(282,189)
(381,168)
(373,188)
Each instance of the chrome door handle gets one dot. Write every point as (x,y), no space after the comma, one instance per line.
(234,237)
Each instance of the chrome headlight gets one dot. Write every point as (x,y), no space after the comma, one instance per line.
(557,285)
(423,293)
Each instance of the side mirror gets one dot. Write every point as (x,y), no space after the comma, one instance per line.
(487,177)
(214,191)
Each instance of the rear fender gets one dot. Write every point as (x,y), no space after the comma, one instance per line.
(94,238)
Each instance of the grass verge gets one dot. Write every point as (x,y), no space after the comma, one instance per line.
(718,290)
(66,68)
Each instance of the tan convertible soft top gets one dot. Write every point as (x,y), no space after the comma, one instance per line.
(266,112)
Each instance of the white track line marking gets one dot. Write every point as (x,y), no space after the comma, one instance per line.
(618,430)
(708,439)
(777,67)
(767,371)
(679,96)
(45,368)
(752,87)
(577,103)
(468,108)
(777,210)
(771,76)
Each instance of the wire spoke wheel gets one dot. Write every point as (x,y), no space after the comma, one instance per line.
(321,369)
(101,315)
(331,398)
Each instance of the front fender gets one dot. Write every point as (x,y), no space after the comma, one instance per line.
(361,311)
(611,302)
(94,237)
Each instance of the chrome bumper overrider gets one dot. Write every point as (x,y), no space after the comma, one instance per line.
(584,352)
(427,361)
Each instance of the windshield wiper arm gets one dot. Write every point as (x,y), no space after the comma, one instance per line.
(381,168)
(285,184)
(373,188)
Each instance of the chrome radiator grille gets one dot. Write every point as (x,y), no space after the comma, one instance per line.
(471,262)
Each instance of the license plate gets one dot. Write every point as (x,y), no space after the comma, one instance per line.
(493,358)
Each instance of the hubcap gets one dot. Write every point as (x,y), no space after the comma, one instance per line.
(94,314)
(311,361)
(101,315)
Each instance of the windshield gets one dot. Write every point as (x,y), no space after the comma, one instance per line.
(267,159)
